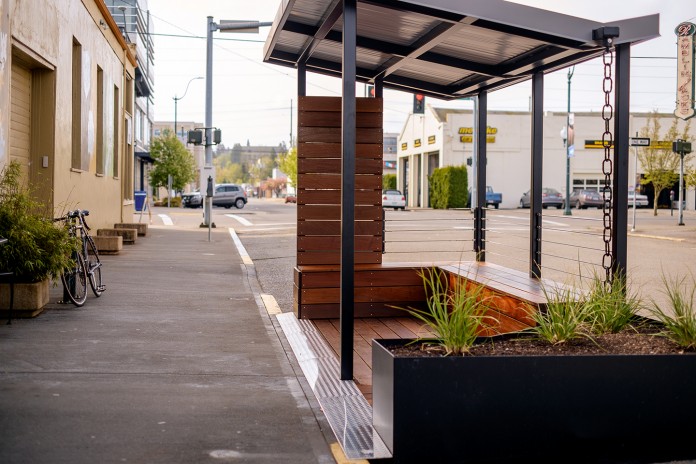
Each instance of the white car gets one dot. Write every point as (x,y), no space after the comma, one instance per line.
(641,200)
(393,199)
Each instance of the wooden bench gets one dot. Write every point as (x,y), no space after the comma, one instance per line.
(108,245)
(378,288)
(141,227)
(510,294)
(129,235)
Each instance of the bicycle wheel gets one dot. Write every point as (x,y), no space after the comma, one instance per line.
(75,281)
(94,268)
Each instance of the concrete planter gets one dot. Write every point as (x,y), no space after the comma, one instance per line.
(29,299)
(580,409)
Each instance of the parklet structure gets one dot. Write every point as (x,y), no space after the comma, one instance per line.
(448,49)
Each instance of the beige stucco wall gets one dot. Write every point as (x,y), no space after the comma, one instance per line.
(46,29)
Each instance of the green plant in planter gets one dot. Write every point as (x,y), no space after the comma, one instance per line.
(455,315)
(680,323)
(36,248)
(609,308)
(563,318)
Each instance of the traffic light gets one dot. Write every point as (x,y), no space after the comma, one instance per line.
(418,103)
(371,91)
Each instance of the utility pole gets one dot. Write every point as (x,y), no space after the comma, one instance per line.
(570,139)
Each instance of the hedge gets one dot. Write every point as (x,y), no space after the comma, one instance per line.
(449,187)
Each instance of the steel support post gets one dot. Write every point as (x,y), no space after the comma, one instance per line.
(480,210)
(621,143)
(537,173)
(301,79)
(348,137)
(379,86)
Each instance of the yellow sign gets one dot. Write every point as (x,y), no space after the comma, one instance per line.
(470,130)
(431,139)
(417,143)
(404,146)
(470,138)
(658,144)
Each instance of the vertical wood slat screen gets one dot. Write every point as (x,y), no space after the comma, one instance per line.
(319,181)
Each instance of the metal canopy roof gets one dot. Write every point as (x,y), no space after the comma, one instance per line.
(441,48)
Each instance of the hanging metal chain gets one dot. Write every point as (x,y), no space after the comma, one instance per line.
(607,166)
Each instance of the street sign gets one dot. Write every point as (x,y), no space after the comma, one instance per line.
(639,141)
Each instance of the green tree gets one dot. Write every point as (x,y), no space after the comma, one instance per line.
(389,181)
(448,187)
(661,165)
(262,169)
(171,158)
(287,162)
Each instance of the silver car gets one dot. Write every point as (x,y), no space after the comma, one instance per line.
(583,199)
(549,197)
(229,195)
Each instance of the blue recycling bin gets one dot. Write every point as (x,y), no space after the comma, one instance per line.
(140,196)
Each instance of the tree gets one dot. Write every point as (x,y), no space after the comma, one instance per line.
(287,163)
(262,169)
(661,165)
(171,159)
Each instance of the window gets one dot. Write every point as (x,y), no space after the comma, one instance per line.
(76,105)
(117,118)
(100,121)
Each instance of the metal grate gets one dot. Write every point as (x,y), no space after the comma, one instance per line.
(348,412)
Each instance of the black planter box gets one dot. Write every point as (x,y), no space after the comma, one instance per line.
(584,409)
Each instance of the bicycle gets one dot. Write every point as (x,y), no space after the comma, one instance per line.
(87,265)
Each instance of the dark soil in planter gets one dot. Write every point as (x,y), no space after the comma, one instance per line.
(644,339)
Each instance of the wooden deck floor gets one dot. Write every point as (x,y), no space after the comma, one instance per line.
(366,330)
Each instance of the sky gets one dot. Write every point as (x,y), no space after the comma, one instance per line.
(252,100)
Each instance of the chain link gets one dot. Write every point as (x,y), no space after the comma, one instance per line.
(607,165)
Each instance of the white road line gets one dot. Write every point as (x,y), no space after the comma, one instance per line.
(240,219)
(166,220)
(246,259)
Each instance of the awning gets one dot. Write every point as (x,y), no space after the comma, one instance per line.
(442,48)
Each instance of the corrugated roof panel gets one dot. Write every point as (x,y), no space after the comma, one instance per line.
(485,46)
(308,12)
(435,73)
(290,42)
(393,26)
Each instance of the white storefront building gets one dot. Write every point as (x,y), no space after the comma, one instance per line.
(444,137)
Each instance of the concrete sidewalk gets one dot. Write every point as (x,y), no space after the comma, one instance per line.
(177,362)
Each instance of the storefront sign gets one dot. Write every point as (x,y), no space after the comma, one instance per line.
(685,70)
(658,144)
(404,146)
(470,138)
(470,130)
(417,143)
(431,139)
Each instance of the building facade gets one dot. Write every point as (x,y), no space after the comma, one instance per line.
(67,95)
(444,137)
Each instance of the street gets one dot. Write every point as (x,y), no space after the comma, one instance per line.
(572,246)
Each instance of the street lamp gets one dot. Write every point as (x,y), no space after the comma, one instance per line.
(569,145)
(176,101)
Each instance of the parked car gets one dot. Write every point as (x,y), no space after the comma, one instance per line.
(492,198)
(290,199)
(229,195)
(641,200)
(549,197)
(583,199)
(393,199)
(192,199)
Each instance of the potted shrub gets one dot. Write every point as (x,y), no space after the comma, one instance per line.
(554,394)
(36,251)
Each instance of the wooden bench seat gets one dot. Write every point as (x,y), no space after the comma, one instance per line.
(510,293)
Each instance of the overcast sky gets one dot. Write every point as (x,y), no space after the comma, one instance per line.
(252,99)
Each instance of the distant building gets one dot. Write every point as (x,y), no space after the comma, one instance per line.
(444,137)
(389,152)
(67,83)
(133,19)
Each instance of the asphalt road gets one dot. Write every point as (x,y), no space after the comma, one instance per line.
(572,246)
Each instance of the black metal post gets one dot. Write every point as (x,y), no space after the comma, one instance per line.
(480,210)
(301,79)
(621,135)
(379,86)
(537,173)
(348,137)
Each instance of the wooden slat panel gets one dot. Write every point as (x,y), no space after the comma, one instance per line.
(333,197)
(310,257)
(331,310)
(363,105)
(333,135)
(333,181)
(333,165)
(335,119)
(333,212)
(333,150)
(334,227)
(363,278)
(390,295)
(333,243)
